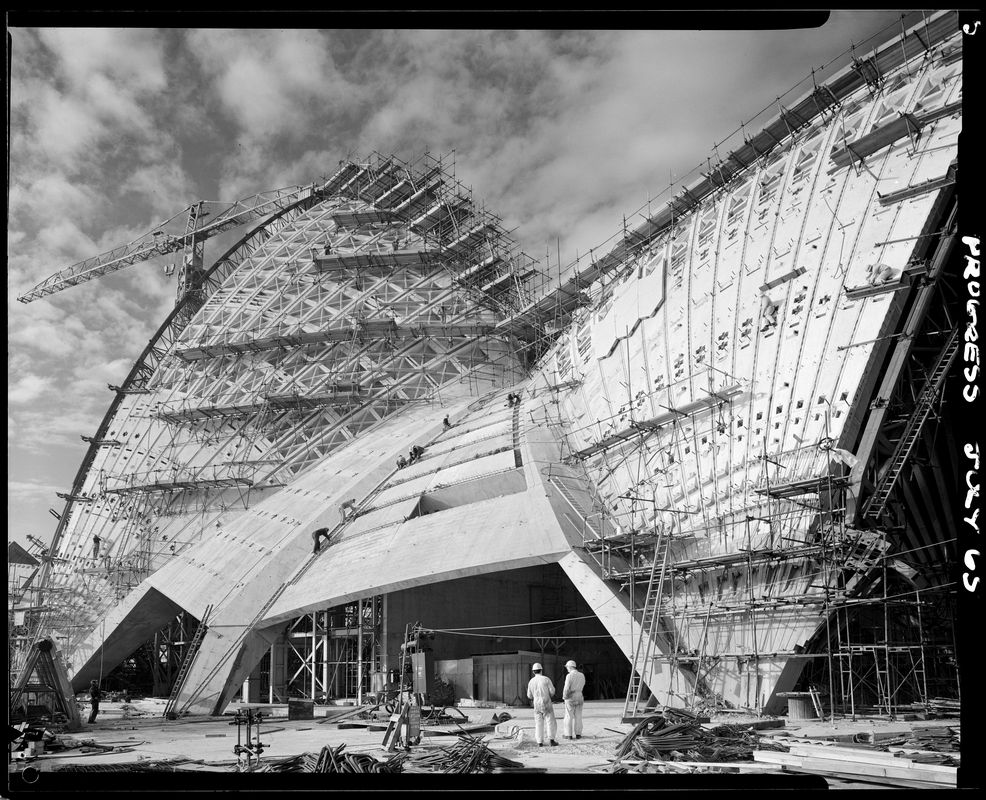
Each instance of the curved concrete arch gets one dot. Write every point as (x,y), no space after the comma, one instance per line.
(144,362)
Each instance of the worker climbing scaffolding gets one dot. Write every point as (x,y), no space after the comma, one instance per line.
(347,509)
(317,536)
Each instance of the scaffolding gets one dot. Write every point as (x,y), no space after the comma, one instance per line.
(468,246)
(849,553)
(882,667)
(332,654)
(447,273)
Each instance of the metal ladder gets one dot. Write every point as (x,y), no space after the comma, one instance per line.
(234,646)
(588,517)
(920,675)
(636,700)
(518,461)
(881,493)
(885,692)
(186,664)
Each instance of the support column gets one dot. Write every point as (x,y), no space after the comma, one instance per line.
(359,652)
(314,652)
(611,606)
(325,652)
(278,660)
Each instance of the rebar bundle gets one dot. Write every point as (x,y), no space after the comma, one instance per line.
(466,756)
(332,759)
(678,736)
(160,765)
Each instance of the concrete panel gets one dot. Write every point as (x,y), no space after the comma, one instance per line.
(128,626)
(489,536)
(261,552)
(473,491)
(374,520)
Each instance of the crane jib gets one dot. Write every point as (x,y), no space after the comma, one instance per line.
(158,243)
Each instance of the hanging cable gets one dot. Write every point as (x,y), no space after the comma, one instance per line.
(521,624)
(513,636)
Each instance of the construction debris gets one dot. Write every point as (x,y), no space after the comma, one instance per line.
(466,756)
(174,764)
(678,736)
(331,759)
(335,716)
(923,745)
(944,707)
(861,764)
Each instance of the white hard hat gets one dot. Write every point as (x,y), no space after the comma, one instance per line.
(571,664)
(536,667)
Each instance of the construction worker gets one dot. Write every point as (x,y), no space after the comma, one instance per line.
(446,424)
(317,538)
(571,693)
(539,689)
(348,508)
(94,697)
(95,546)
(401,462)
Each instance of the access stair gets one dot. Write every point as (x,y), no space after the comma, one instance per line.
(592,524)
(912,432)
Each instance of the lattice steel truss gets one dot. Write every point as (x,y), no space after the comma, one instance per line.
(379,288)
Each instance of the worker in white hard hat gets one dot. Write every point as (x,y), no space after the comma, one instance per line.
(572,695)
(540,689)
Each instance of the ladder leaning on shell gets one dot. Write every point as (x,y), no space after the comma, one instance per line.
(186,664)
(638,693)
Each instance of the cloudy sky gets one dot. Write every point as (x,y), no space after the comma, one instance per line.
(561,132)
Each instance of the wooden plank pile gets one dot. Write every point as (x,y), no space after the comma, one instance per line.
(927,740)
(861,764)
(333,715)
(944,707)
(939,739)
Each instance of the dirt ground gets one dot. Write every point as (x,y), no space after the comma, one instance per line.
(140,733)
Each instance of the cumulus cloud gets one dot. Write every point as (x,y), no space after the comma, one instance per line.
(30,491)
(131,57)
(165,187)
(560,132)
(28,388)
(275,88)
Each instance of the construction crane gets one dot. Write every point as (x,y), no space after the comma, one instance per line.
(160,241)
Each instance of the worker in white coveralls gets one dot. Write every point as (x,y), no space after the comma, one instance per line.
(540,689)
(572,695)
